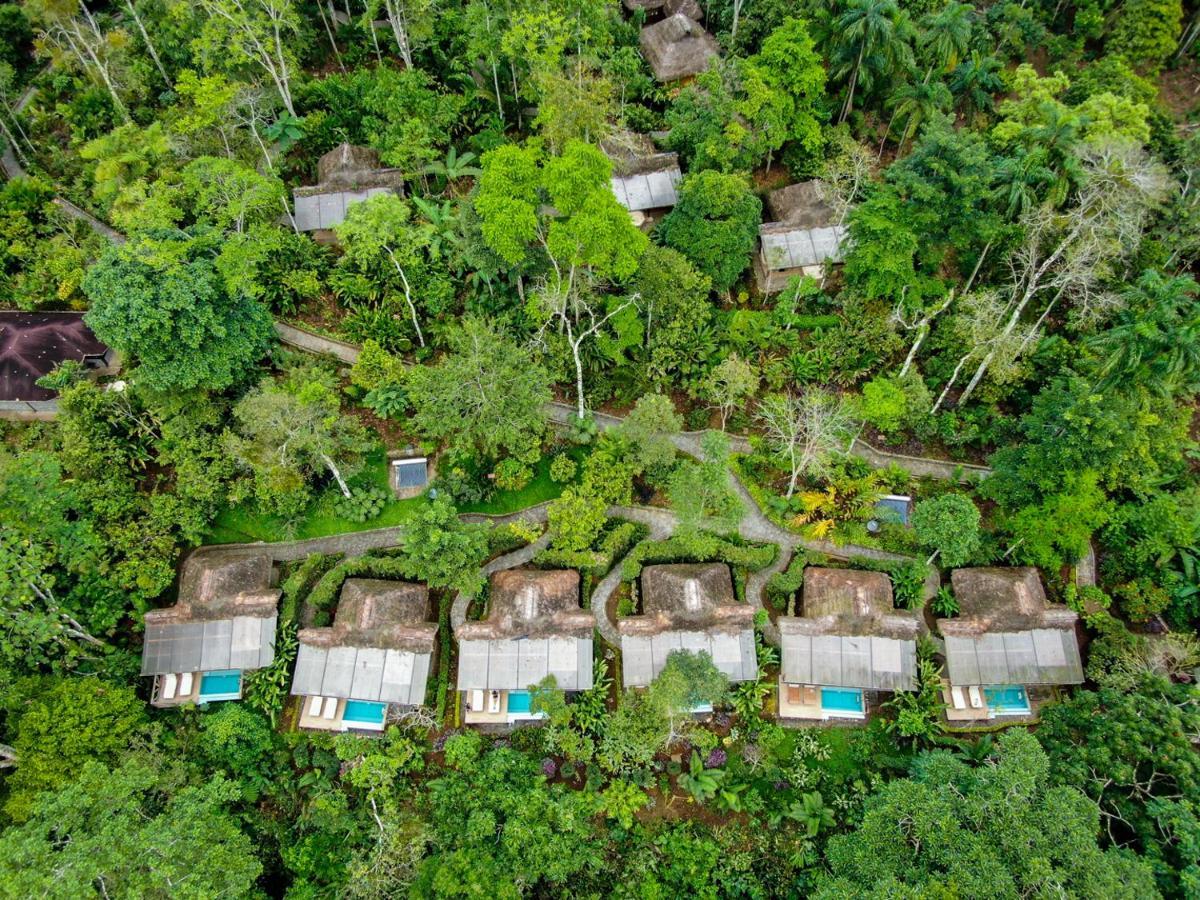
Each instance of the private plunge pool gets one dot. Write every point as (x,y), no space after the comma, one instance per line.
(1006,700)
(519,703)
(847,702)
(364,714)
(225,685)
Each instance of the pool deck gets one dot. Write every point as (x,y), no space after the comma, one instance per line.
(337,723)
(808,707)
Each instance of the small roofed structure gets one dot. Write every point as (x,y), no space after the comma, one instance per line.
(688,607)
(409,473)
(803,235)
(345,175)
(850,639)
(379,651)
(33,344)
(677,48)
(652,8)
(644,179)
(222,625)
(534,628)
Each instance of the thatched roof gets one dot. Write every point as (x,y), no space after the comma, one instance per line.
(677,47)
(688,607)
(532,603)
(1007,632)
(805,204)
(379,648)
(1003,599)
(218,584)
(346,175)
(803,231)
(224,618)
(850,635)
(377,613)
(534,628)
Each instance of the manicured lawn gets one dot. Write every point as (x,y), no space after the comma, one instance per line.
(242,524)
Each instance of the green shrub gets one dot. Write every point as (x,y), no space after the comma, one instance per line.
(944,604)
(462,750)
(363,504)
(782,585)
(908,578)
(563,469)
(697,546)
(512,474)
(299,582)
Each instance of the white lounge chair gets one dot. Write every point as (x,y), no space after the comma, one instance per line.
(976,696)
(330,708)
(185,684)
(314,706)
(168,687)
(956,697)
(494,702)
(475,701)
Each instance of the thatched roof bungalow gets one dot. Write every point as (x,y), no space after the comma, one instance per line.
(803,235)
(677,48)
(345,175)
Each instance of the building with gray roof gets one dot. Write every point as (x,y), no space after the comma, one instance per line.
(1007,642)
(850,644)
(534,628)
(804,234)
(345,175)
(644,180)
(690,607)
(222,625)
(378,652)
(677,48)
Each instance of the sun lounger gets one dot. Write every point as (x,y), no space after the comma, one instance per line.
(494,702)
(956,697)
(331,704)
(168,688)
(475,702)
(976,696)
(314,706)
(185,684)
(793,694)
(812,697)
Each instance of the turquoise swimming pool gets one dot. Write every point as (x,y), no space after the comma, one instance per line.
(519,702)
(225,685)
(364,712)
(842,701)
(1007,699)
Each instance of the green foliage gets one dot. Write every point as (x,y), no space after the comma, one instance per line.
(700,491)
(162,303)
(714,224)
(575,519)
(463,749)
(782,586)
(980,813)
(944,604)
(563,469)
(948,525)
(918,713)
(443,551)
(622,801)
(696,546)
(649,427)
(1145,32)
(267,689)
(363,504)
(512,474)
(884,404)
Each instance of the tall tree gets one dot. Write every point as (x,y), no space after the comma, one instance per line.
(715,225)
(806,431)
(871,41)
(254,32)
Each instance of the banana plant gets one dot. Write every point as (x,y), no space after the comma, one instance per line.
(703,784)
(811,812)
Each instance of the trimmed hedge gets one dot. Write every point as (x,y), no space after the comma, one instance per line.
(299,583)
(782,585)
(697,546)
(324,594)
(612,545)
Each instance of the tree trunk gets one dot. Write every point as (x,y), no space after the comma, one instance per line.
(8,756)
(978,263)
(329,31)
(412,308)
(848,105)
(336,475)
(578,377)
(949,384)
(8,136)
(923,329)
(149,43)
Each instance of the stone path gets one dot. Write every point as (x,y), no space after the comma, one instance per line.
(315,343)
(458,612)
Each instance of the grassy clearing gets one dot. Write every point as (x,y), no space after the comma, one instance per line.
(244,524)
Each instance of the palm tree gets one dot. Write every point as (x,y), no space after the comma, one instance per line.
(1155,341)
(1021,181)
(946,36)
(873,39)
(919,103)
(976,81)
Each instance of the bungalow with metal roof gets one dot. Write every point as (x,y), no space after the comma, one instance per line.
(534,628)
(1007,645)
(377,653)
(850,645)
(222,625)
(345,175)
(688,607)
(678,48)
(644,179)
(804,234)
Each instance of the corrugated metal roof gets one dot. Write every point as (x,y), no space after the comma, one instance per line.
(871,663)
(243,642)
(323,211)
(361,673)
(1040,656)
(515,665)
(411,472)
(643,657)
(647,190)
(798,247)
